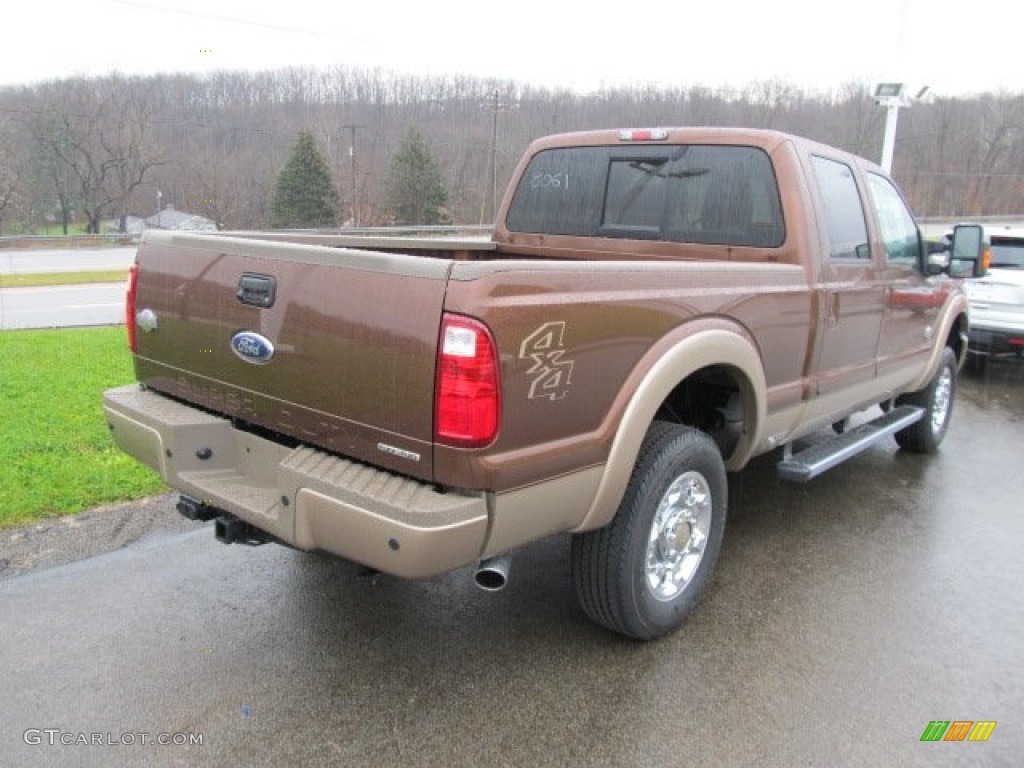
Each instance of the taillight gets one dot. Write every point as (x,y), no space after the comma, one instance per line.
(468,401)
(129,305)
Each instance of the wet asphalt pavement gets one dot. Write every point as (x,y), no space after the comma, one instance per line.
(845,615)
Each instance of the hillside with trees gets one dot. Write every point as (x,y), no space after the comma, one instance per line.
(97,150)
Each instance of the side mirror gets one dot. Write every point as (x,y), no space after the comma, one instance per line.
(971,252)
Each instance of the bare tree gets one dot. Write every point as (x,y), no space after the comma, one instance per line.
(8,171)
(97,132)
(127,148)
(66,126)
(1000,128)
(214,144)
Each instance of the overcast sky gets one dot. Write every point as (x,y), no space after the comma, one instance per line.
(954,47)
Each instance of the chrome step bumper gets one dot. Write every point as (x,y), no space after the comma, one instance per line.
(301,496)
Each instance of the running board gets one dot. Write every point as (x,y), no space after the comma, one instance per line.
(811,462)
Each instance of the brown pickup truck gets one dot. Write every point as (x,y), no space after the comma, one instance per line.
(655,308)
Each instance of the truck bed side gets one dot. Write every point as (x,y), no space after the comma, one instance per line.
(574,344)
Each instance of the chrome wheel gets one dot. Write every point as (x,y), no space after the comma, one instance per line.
(942,399)
(936,400)
(678,536)
(643,573)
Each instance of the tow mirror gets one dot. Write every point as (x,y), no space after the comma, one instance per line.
(971,252)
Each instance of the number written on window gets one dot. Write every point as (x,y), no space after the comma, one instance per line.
(549,181)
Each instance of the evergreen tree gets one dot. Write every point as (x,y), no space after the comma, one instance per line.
(305,196)
(416,192)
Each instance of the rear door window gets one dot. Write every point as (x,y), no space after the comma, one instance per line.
(690,194)
(844,212)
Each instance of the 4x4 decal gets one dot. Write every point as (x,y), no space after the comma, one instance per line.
(551,374)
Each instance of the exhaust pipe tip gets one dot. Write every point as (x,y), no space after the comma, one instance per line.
(492,575)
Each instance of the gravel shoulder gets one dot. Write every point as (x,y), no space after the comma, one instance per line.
(60,540)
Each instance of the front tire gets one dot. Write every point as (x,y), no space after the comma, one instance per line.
(937,401)
(643,573)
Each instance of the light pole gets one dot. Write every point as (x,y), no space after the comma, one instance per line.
(892,96)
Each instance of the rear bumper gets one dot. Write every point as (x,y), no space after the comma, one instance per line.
(996,342)
(301,496)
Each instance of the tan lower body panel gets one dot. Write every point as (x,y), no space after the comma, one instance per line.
(389,545)
(531,513)
(820,412)
(304,497)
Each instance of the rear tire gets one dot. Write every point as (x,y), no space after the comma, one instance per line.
(643,573)
(937,401)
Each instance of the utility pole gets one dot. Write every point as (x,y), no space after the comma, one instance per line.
(352,158)
(352,169)
(496,106)
(494,156)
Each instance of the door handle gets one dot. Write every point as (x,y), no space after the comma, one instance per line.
(833,309)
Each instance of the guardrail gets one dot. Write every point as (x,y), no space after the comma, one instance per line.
(470,230)
(115,238)
(937,226)
(68,241)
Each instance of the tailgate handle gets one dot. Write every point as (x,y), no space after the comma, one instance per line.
(257,290)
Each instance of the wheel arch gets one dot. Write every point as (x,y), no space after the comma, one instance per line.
(957,337)
(678,360)
(952,330)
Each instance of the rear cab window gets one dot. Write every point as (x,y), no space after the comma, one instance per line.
(713,194)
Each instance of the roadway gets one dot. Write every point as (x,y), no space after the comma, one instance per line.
(63,306)
(844,617)
(31,261)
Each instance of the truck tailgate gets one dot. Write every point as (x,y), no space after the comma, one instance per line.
(341,356)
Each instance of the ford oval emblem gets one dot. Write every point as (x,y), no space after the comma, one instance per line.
(252,347)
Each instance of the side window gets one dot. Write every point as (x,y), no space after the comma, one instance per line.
(899,230)
(844,213)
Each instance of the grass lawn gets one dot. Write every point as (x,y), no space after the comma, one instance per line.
(56,456)
(63,278)
(56,230)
